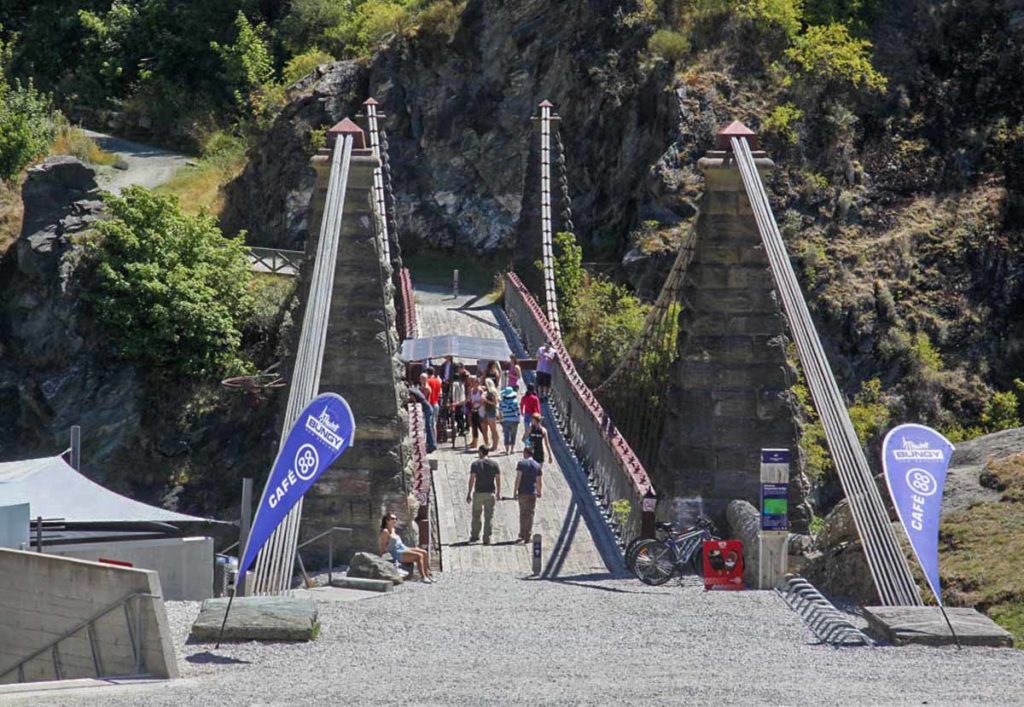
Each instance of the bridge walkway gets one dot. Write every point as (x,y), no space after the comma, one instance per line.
(569,547)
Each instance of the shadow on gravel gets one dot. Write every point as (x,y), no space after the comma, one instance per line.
(208,658)
(585,581)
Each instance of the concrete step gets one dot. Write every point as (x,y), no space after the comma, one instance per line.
(369,585)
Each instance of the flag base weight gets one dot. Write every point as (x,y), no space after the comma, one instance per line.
(926,625)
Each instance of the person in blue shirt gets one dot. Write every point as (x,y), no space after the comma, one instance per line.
(508,414)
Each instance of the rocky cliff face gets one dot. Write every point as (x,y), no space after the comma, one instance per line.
(184,443)
(52,374)
(463,147)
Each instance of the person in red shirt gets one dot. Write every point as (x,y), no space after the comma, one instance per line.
(434,384)
(530,403)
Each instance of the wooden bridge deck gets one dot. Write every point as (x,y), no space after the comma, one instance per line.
(569,548)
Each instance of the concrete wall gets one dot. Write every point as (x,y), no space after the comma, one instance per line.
(360,363)
(729,391)
(185,565)
(43,596)
(14,524)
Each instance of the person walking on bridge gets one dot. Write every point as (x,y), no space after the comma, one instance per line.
(490,407)
(537,439)
(484,489)
(530,403)
(476,410)
(508,412)
(528,487)
(416,395)
(546,356)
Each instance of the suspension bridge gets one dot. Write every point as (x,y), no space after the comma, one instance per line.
(671,432)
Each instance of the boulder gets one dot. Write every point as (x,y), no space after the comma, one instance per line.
(369,566)
(842,572)
(839,527)
(745,524)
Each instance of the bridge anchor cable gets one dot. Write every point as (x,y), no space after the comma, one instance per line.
(888,565)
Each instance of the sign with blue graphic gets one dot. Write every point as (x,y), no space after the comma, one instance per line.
(915,459)
(320,434)
(774,506)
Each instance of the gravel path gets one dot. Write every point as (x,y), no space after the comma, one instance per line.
(487,639)
(147,166)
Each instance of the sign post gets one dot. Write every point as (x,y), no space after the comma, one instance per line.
(536,553)
(774,536)
(915,459)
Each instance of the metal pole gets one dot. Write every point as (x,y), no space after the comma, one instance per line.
(455,283)
(545,217)
(950,624)
(224,623)
(76,447)
(244,524)
(39,534)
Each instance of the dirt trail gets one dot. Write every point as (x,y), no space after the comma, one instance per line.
(147,166)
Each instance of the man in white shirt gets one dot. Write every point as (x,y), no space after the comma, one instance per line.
(546,357)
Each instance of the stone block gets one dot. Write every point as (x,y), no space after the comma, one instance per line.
(902,625)
(278,618)
(366,585)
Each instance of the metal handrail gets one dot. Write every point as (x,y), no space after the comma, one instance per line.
(330,551)
(135,638)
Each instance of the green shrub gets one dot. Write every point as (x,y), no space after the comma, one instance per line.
(1001,412)
(828,54)
(568,257)
(309,22)
(249,66)
(782,122)
(171,291)
(767,15)
(26,126)
(301,65)
(670,46)
(923,354)
(373,24)
(442,18)
(609,318)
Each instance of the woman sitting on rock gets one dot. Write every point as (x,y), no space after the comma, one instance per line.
(391,542)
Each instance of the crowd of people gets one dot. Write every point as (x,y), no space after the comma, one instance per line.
(473,404)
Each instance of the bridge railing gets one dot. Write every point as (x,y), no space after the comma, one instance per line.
(406,305)
(615,471)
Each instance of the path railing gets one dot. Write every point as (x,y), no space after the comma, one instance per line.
(615,471)
(275,261)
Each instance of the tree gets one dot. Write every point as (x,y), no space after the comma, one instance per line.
(171,290)
(568,264)
(26,126)
(248,64)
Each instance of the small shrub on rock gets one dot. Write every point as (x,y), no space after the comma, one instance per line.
(670,46)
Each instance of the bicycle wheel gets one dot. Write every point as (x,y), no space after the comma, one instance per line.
(654,562)
(630,553)
(697,558)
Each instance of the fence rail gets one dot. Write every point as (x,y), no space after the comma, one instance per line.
(614,469)
(276,262)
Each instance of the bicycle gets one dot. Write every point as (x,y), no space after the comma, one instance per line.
(656,561)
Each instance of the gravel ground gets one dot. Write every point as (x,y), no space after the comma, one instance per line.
(486,639)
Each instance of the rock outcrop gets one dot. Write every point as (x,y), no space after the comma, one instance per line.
(52,374)
(462,143)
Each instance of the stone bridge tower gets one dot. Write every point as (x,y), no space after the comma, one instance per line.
(360,363)
(728,397)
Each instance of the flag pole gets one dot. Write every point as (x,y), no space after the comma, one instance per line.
(950,624)
(227,611)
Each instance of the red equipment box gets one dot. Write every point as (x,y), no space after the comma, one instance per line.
(723,564)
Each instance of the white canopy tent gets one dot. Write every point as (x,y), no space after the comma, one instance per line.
(53,489)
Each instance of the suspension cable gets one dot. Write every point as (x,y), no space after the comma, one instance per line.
(886,561)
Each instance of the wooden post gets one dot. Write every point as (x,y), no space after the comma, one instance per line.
(649,505)
(244,525)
